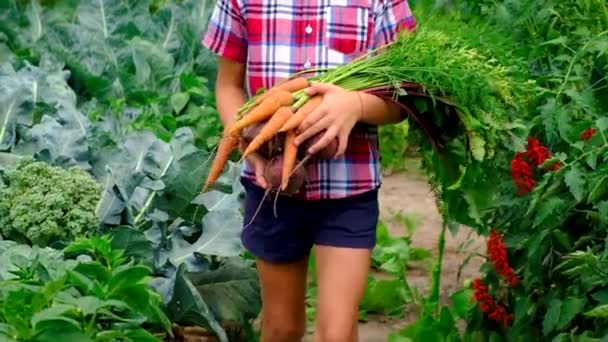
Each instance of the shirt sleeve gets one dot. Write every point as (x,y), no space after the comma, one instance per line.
(226,32)
(392,16)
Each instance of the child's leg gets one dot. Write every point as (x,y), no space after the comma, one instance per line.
(344,237)
(341,279)
(283,288)
(281,246)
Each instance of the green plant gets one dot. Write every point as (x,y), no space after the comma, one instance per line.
(43,204)
(391,256)
(393,146)
(122,91)
(46,295)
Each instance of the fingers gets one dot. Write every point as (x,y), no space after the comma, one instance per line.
(242,145)
(327,137)
(259,165)
(317,127)
(319,88)
(342,143)
(312,118)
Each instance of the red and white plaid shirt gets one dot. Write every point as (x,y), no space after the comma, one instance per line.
(277,38)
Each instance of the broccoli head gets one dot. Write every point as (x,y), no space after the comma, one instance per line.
(42,204)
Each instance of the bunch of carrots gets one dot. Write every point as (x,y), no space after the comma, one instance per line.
(269,127)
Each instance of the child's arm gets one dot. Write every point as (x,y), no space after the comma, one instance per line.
(226,36)
(230,96)
(229,89)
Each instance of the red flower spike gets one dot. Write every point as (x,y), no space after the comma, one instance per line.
(498,255)
(487,305)
(521,172)
(523,164)
(537,153)
(588,133)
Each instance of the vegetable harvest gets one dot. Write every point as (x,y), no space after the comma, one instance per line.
(450,90)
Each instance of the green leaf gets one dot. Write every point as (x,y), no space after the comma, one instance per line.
(552,316)
(598,312)
(598,190)
(591,160)
(384,296)
(395,337)
(28,94)
(561,239)
(575,180)
(477,146)
(57,315)
(547,209)
(185,176)
(549,112)
(570,307)
(127,276)
(134,243)
(56,328)
(186,306)
(50,259)
(462,303)
(602,123)
(602,207)
(561,40)
(232,291)
(90,305)
(220,237)
(179,101)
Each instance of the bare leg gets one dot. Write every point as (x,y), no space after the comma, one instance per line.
(341,280)
(283,288)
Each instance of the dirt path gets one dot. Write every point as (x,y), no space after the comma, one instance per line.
(409,194)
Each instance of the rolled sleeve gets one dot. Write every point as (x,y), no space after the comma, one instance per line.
(391,17)
(226,32)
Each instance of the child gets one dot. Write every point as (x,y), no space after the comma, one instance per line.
(260,42)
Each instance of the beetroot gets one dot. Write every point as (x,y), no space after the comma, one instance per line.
(251,131)
(326,153)
(273,172)
(268,150)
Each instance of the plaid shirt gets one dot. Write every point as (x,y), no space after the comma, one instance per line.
(276,38)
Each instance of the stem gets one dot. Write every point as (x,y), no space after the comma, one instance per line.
(436,275)
(574,59)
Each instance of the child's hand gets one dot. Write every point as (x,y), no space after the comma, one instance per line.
(258,163)
(337,114)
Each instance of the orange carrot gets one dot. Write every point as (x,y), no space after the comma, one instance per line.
(270,129)
(302,113)
(290,152)
(290,85)
(225,147)
(263,111)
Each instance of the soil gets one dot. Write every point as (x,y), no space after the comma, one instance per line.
(408,193)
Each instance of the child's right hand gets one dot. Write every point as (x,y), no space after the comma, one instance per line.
(258,163)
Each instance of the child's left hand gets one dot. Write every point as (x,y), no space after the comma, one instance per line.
(337,114)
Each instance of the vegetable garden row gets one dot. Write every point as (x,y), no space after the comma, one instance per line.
(108,132)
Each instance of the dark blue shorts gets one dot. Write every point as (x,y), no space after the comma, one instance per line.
(299,224)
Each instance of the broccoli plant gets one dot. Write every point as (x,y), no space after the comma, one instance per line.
(41,204)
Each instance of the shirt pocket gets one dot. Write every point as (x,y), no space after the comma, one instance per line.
(348,25)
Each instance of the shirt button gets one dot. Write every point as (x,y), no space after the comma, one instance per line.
(307,64)
(308,29)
